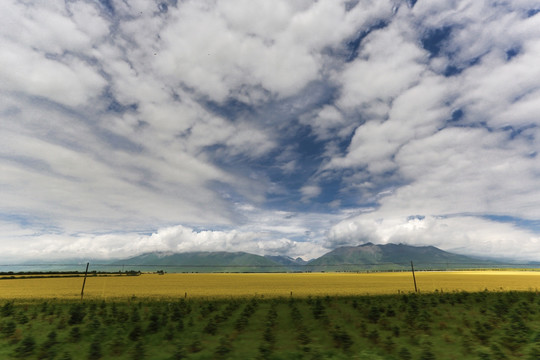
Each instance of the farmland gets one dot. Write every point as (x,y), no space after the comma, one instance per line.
(268,285)
(456,315)
(456,325)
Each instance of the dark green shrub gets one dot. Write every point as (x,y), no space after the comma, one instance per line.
(135,316)
(26,347)
(501,307)
(374,314)
(424,320)
(303,337)
(404,354)
(363,329)
(497,353)
(135,333)
(179,353)
(117,342)
(483,354)
(154,325)
(241,323)
(516,333)
(76,314)
(51,309)
(180,325)
(169,333)
(43,307)
(21,318)
(66,356)
(75,334)
(211,327)
(341,338)
(51,338)
(93,325)
(318,309)
(296,316)
(92,308)
(139,351)
(195,346)
(7,309)
(265,351)
(8,328)
(389,344)
(427,354)
(269,336)
(62,323)
(271,317)
(94,352)
(482,331)
(176,313)
(373,336)
(534,352)
(224,348)
(208,308)
(466,343)
(47,350)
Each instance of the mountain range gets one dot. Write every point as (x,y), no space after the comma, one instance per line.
(365,257)
(347,258)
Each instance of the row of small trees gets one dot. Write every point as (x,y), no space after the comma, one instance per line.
(407,327)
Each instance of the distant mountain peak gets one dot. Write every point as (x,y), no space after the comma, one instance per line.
(391,256)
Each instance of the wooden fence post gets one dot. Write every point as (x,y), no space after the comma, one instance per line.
(414,278)
(84,281)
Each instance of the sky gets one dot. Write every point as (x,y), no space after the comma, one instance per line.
(272,127)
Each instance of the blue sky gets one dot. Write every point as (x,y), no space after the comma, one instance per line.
(272,127)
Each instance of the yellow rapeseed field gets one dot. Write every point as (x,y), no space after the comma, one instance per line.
(267,285)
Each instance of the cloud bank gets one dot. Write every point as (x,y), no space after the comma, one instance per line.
(284,128)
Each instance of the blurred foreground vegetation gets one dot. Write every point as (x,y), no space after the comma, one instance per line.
(458,325)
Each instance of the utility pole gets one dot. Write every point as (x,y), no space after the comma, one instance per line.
(414,278)
(84,281)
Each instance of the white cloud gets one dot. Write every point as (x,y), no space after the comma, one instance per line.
(89,21)
(390,62)
(217,59)
(310,191)
(92,186)
(46,27)
(70,82)
(456,172)
(466,235)
(416,112)
(467,171)
(146,119)
(39,43)
(399,98)
(226,47)
(491,90)
(171,239)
